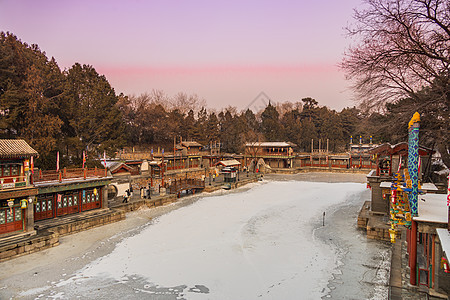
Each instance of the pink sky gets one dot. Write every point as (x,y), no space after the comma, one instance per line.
(226,52)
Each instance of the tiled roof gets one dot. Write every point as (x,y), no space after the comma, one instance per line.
(16,148)
(270,144)
(228,163)
(190,144)
(389,149)
(117,165)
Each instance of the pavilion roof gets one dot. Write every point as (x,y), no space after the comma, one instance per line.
(16,149)
(398,149)
(270,144)
(190,144)
(228,163)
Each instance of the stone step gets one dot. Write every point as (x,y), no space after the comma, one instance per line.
(58,221)
(17,238)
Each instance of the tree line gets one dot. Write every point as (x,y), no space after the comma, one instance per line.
(77,110)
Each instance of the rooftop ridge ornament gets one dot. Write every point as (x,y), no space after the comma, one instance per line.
(415,119)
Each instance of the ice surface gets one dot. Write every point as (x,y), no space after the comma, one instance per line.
(255,244)
(266,242)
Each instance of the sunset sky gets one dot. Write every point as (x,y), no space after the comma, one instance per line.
(226,52)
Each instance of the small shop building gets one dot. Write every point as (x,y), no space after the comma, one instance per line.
(16,190)
(426,252)
(390,159)
(274,154)
(231,163)
(69,192)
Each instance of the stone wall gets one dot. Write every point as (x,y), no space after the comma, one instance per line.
(88,223)
(363,216)
(378,232)
(442,279)
(379,205)
(135,205)
(315,169)
(34,244)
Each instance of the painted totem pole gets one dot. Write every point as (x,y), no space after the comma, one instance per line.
(413,161)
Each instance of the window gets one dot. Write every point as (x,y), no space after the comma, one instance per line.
(75,200)
(6,171)
(65,202)
(38,206)
(18,214)
(43,205)
(9,216)
(70,201)
(2,216)
(14,170)
(49,204)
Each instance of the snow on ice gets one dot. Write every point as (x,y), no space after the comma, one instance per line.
(255,244)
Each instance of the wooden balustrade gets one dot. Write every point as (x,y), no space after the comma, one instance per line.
(12,182)
(66,174)
(185,184)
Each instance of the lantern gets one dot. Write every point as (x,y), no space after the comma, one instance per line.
(23,203)
(444,265)
(392,234)
(95,192)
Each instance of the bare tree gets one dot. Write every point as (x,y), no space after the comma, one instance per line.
(404,53)
(184,102)
(404,46)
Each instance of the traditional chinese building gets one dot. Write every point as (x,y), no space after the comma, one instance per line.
(16,190)
(274,154)
(425,252)
(69,191)
(359,154)
(189,148)
(229,163)
(389,160)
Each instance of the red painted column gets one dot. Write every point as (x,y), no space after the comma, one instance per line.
(433,260)
(413,253)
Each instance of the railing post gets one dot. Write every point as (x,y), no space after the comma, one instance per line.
(84,173)
(40,174)
(95,171)
(60,176)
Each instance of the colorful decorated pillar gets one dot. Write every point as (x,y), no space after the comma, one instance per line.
(413,161)
(413,170)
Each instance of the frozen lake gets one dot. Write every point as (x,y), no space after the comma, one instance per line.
(263,242)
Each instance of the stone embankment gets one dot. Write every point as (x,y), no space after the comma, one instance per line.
(375,225)
(315,169)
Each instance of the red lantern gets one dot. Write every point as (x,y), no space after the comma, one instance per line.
(444,265)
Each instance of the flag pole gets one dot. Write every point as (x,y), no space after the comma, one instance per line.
(57,161)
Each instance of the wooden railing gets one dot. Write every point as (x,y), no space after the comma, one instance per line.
(185,184)
(12,182)
(66,174)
